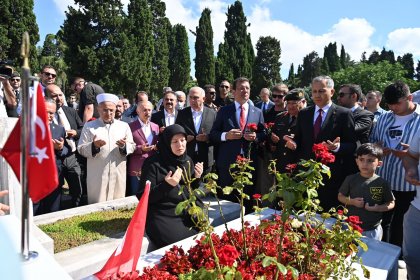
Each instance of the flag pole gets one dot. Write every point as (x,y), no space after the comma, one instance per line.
(25,124)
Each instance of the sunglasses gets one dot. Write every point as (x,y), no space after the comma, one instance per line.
(342,94)
(211,92)
(277,96)
(15,80)
(224,86)
(50,74)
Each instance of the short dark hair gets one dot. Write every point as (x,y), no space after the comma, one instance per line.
(239,80)
(354,89)
(280,88)
(140,92)
(395,91)
(370,149)
(207,87)
(47,66)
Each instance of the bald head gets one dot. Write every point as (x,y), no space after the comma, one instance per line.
(54,92)
(144,111)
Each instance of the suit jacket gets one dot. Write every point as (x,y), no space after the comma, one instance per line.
(363,121)
(338,123)
(230,149)
(205,149)
(74,121)
(259,105)
(137,158)
(159,118)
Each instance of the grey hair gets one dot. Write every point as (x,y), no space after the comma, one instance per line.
(329,81)
(202,92)
(49,100)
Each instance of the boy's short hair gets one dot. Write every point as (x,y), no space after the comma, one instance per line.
(395,91)
(370,149)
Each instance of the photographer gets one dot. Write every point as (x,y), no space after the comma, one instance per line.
(7,95)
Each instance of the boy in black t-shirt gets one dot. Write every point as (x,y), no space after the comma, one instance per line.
(366,194)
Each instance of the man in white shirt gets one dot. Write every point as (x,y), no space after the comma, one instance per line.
(167,116)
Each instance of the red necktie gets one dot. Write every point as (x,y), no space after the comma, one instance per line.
(318,123)
(242,118)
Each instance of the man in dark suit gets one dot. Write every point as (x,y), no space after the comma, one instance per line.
(230,134)
(51,202)
(331,125)
(167,116)
(71,166)
(265,104)
(197,120)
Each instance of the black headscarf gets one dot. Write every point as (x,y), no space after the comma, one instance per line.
(171,160)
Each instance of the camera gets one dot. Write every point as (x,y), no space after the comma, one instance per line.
(6,70)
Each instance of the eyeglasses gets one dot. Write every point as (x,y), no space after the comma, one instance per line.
(277,96)
(194,97)
(222,86)
(15,80)
(342,94)
(211,92)
(50,74)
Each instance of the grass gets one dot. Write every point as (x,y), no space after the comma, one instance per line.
(76,231)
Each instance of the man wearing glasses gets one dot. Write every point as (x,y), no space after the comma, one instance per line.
(87,98)
(210,98)
(48,75)
(279,91)
(224,98)
(12,100)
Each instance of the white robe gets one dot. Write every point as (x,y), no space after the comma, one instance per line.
(106,170)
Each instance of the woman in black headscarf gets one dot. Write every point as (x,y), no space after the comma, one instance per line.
(164,171)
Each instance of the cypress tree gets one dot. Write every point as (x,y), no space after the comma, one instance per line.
(237,44)
(408,64)
(204,51)
(374,57)
(16,18)
(179,58)
(325,68)
(387,55)
(161,28)
(330,52)
(311,68)
(417,75)
(291,78)
(92,34)
(267,64)
(137,48)
(363,57)
(344,58)
(222,66)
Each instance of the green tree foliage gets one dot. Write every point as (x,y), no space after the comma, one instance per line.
(237,52)
(223,69)
(92,34)
(345,59)
(325,68)
(179,58)
(373,76)
(267,64)
(161,28)
(16,17)
(332,58)
(417,76)
(204,51)
(408,63)
(374,57)
(137,48)
(363,57)
(387,55)
(52,53)
(292,79)
(311,68)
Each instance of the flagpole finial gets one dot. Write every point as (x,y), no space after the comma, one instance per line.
(25,49)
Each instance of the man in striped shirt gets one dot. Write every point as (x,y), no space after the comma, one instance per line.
(394,130)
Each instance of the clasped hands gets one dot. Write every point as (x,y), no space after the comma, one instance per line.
(173,178)
(98,143)
(236,133)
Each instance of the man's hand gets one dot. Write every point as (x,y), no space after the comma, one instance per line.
(58,144)
(121,143)
(198,169)
(71,133)
(147,148)
(290,143)
(173,179)
(412,176)
(334,145)
(202,137)
(161,129)
(3,207)
(190,138)
(274,138)
(98,143)
(401,153)
(234,134)
(250,136)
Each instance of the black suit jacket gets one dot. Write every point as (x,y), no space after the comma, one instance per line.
(338,123)
(205,149)
(74,121)
(159,118)
(363,120)
(57,132)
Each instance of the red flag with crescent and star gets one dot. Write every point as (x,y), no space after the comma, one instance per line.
(42,170)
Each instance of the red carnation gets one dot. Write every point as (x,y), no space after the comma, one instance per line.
(291,166)
(227,255)
(269,125)
(252,127)
(256,196)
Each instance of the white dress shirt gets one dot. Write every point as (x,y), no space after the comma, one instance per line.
(169,118)
(147,131)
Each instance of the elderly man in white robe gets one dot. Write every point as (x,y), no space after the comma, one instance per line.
(105,143)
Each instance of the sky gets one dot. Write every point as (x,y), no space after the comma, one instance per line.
(301,26)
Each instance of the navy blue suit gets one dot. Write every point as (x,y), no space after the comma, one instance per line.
(230,149)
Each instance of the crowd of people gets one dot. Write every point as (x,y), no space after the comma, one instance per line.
(107,148)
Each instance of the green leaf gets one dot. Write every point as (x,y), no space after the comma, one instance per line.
(227,190)
(181,207)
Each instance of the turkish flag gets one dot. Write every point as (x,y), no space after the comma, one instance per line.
(42,169)
(125,257)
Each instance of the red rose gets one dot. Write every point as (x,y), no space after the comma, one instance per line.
(256,196)
(291,167)
(269,125)
(252,127)
(227,255)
